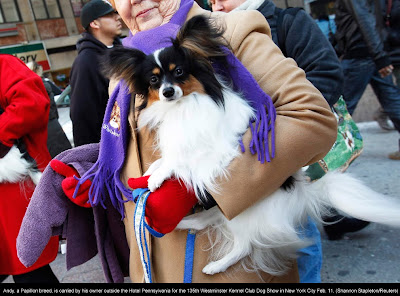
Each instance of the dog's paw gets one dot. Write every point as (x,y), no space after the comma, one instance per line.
(214,267)
(154,182)
(153,167)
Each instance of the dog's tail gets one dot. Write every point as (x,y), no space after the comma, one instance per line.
(355,199)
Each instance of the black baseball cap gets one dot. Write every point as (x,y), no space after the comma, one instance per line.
(93,10)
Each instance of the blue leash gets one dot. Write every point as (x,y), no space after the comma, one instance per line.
(140,197)
(189,255)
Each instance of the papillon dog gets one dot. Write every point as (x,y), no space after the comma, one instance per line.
(199,122)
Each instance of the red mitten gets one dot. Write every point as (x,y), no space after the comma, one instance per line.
(69,183)
(166,206)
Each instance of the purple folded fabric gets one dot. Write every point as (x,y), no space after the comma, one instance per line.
(87,231)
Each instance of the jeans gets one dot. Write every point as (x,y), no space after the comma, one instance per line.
(309,261)
(358,73)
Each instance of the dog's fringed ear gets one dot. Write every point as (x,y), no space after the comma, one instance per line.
(202,36)
(123,63)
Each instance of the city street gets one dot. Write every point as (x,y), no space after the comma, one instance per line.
(368,256)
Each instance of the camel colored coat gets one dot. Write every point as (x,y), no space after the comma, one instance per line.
(305,131)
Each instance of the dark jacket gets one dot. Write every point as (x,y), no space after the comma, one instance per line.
(57,140)
(356,31)
(392,30)
(89,91)
(307,45)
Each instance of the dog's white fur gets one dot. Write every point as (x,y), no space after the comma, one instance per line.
(14,168)
(198,140)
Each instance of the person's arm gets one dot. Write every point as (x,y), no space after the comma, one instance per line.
(88,92)
(24,101)
(311,50)
(361,12)
(305,126)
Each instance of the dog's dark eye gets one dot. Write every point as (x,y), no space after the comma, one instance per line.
(153,79)
(178,72)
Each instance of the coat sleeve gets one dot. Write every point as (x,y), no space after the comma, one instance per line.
(366,21)
(312,51)
(305,126)
(24,100)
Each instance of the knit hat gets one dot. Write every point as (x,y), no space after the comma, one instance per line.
(93,10)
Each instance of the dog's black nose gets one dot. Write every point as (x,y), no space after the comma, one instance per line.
(168,92)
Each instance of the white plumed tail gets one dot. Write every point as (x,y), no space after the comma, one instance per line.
(353,198)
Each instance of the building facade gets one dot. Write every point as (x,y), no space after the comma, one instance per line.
(43,29)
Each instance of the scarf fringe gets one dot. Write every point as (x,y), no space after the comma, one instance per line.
(260,127)
(264,121)
(105,184)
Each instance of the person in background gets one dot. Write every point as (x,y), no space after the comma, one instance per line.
(24,115)
(391,29)
(89,87)
(364,59)
(57,140)
(391,19)
(299,37)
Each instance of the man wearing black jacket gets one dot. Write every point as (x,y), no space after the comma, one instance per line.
(89,88)
(364,60)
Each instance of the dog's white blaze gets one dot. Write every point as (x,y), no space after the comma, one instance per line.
(156,55)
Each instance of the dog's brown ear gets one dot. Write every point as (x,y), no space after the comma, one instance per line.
(122,63)
(202,36)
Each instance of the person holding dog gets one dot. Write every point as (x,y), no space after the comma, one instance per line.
(304,132)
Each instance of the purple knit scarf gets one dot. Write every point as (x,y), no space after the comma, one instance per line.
(105,173)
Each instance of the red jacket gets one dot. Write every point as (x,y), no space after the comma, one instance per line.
(26,105)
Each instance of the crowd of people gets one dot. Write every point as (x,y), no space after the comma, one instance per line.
(93,182)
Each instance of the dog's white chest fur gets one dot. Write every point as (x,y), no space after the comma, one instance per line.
(197,138)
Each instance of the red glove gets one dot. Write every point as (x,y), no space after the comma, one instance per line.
(69,183)
(166,206)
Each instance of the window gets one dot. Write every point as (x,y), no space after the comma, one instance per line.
(9,12)
(46,9)
(53,8)
(77,6)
